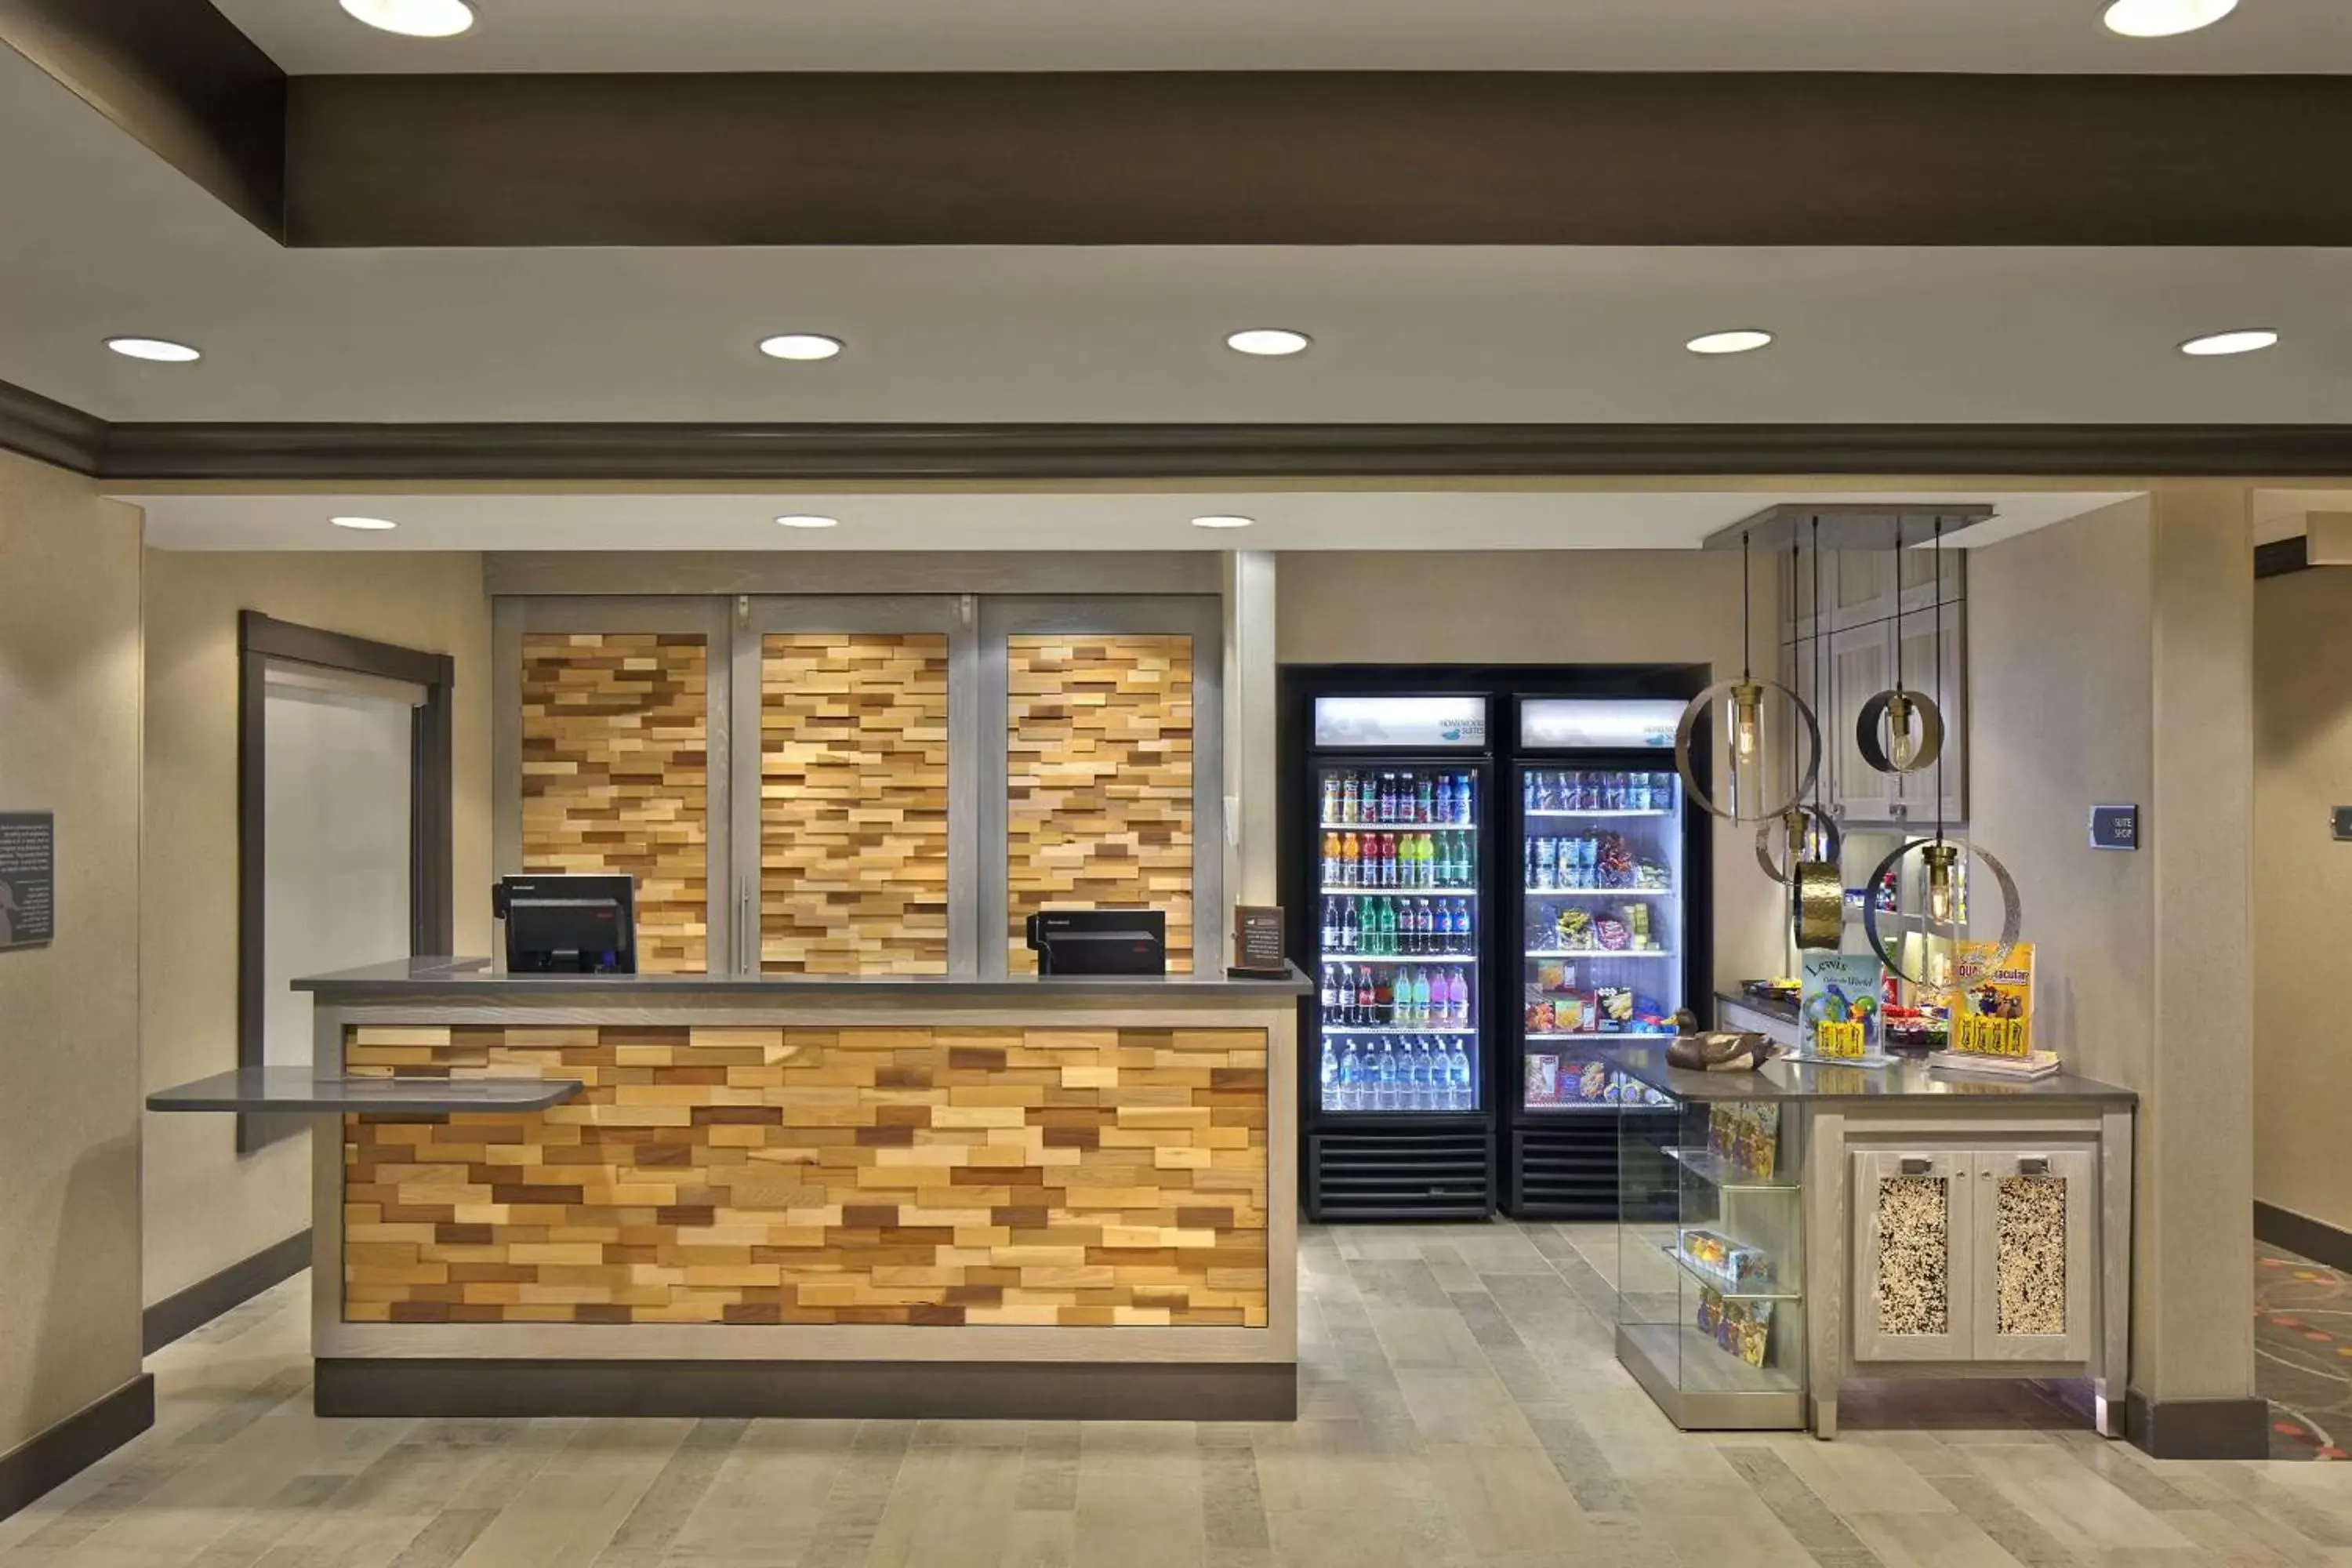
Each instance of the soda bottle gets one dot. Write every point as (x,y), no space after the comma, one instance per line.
(1330,925)
(1384,998)
(1388,928)
(1349,931)
(1331,973)
(1421,997)
(1424,798)
(1360,1015)
(1425,923)
(1387,798)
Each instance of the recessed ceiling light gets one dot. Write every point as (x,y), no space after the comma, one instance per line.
(1743,340)
(808,520)
(1268,341)
(799,346)
(2245,341)
(1223,521)
(414,18)
(162,351)
(365,524)
(2165,18)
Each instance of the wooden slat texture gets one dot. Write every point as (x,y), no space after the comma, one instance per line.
(918,1175)
(1099,808)
(615,775)
(853,803)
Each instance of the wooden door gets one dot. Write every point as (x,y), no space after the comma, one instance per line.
(2034,1249)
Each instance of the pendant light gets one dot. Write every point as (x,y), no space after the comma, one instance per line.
(1816,888)
(1744,732)
(1941,860)
(1892,712)
(1805,832)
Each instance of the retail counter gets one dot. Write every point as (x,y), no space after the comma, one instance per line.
(1019,1198)
(1784,1230)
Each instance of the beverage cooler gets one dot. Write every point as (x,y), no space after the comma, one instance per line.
(1607,932)
(1396,1098)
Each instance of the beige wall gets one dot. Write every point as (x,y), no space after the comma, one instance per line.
(69,700)
(2109,660)
(2303,886)
(1567,607)
(206,1205)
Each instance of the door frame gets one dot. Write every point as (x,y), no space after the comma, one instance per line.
(432,910)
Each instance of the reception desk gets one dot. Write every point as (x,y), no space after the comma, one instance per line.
(1032,1198)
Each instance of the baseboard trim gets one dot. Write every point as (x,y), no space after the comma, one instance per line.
(2198,1428)
(190,1309)
(2314,1239)
(1015,1391)
(52,1457)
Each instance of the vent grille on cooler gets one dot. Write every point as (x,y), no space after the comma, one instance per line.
(1572,1170)
(1401,1176)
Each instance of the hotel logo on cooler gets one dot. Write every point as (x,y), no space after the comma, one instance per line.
(1993,1015)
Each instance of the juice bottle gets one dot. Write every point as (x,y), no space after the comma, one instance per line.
(1350,857)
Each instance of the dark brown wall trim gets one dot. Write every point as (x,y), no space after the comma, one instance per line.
(2278,558)
(867,1390)
(2198,1428)
(1315,158)
(2313,1238)
(1089,451)
(48,431)
(181,77)
(178,1316)
(73,1444)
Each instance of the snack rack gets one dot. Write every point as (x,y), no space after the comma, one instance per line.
(1710,1262)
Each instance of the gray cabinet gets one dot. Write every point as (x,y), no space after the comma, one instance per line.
(1857,659)
(1974,1256)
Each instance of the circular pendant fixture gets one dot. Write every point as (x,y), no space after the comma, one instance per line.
(1883,731)
(1743,702)
(1806,833)
(1941,857)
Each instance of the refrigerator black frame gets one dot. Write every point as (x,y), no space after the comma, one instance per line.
(1500,942)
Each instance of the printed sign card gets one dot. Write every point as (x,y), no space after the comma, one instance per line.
(1838,1007)
(1993,1013)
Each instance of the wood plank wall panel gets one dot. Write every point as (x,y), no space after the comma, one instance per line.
(922,1175)
(853,803)
(1099,808)
(615,775)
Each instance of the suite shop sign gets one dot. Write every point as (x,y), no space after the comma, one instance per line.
(28,879)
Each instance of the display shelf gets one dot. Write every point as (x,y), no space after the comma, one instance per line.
(1724,1178)
(1400,1029)
(1396,827)
(1722,1287)
(1334,891)
(1702,1366)
(1601,892)
(1594,1036)
(1557,812)
(1600,952)
(1401,958)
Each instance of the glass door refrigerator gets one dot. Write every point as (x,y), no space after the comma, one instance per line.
(1396,1089)
(1607,929)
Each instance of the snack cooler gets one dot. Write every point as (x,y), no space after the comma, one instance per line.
(1605,871)
(1421,933)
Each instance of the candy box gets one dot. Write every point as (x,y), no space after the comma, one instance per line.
(1613,935)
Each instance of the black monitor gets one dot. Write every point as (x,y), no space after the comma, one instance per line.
(569,924)
(1100,942)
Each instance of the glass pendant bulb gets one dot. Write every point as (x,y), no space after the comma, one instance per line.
(1940,859)
(1898,731)
(1747,728)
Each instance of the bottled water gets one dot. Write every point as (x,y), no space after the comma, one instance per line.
(1429,1074)
(1330,1072)
(1351,1079)
(1459,1096)
(1384,1079)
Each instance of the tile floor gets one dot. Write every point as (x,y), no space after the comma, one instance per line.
(1460,1405)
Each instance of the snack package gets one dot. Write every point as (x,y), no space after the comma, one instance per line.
(1637,917)
(1575,931)
(1541,1019)
(1592,1082)
(1543,1080)
(1552,975)
(1613,935)
(1616,1007)
(1739,1268)
(1573,1014)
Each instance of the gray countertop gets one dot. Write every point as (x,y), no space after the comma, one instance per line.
(475,979)
(1783,1079)
(294,1089)
(1770,1006)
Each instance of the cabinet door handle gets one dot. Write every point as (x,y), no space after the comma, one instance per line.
(1918,1167)
(2034,1166)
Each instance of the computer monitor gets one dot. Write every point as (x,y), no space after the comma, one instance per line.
(569,924)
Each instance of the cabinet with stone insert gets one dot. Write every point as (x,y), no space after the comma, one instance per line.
(1973,1255)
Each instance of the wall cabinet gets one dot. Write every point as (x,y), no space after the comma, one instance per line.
(1973,1255)
(1857,659)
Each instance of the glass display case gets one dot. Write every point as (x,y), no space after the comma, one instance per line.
(1710,1261)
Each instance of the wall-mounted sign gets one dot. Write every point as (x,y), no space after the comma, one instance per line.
(28,879)
(2342,816)
(2116,828)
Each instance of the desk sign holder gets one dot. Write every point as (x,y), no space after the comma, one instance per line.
(1257,943)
